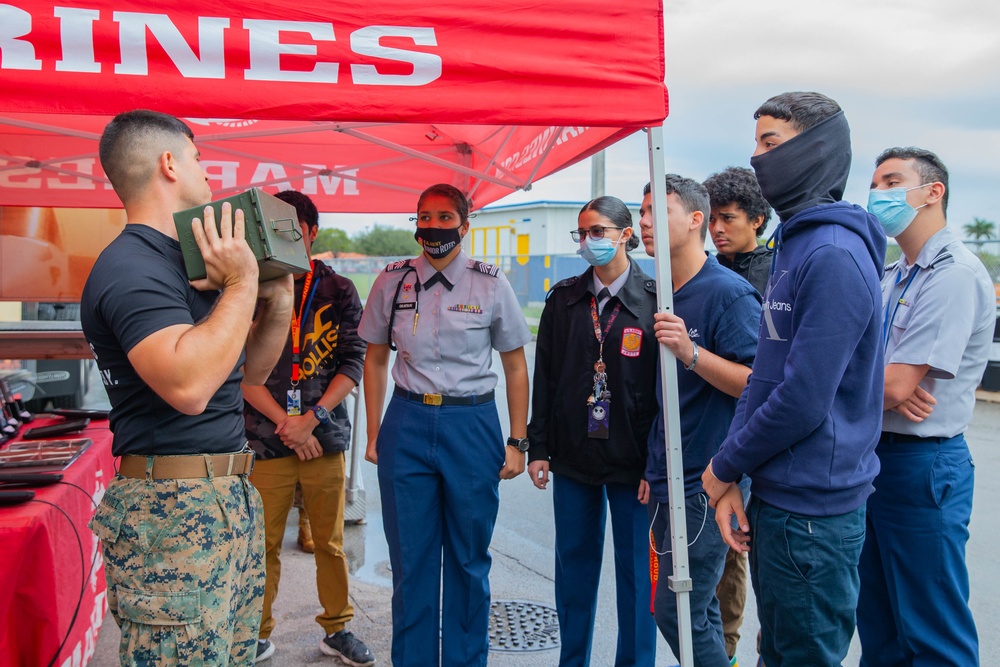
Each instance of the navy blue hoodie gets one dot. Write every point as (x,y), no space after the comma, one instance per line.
(808,421)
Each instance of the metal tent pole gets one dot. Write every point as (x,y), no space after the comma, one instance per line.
(680,579)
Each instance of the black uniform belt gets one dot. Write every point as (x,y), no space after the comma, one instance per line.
(187,467)
(439,399)
(902,438)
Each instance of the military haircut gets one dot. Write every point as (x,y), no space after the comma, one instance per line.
(131,145)
(927,164)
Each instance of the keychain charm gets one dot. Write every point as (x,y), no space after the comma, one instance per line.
(597,419)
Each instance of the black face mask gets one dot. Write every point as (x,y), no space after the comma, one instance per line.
(809,169)
(437,242)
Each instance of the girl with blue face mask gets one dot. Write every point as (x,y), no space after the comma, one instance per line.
(600,237)
(593,405)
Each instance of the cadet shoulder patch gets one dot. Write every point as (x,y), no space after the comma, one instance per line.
(483,267)
(396,266)
(567,282)
(943,257)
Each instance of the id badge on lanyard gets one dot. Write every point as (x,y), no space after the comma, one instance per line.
(293,399)
(599,401)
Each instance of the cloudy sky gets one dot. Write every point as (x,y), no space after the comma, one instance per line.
(906,72)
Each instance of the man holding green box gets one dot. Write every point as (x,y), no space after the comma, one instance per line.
(181,527)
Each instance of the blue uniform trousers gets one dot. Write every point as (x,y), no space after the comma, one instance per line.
(706,560)
(438,472)
(914,604)
(580,515)
(804,571)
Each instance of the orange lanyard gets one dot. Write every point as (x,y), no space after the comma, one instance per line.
(307,295)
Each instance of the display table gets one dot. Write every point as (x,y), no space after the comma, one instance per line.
(40,570)
(43,339)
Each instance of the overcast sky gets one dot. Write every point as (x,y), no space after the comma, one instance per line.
(906,72)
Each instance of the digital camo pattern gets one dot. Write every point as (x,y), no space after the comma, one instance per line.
(184,562)
(330,345)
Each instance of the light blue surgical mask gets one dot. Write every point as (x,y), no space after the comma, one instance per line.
(892,210)
(598,252)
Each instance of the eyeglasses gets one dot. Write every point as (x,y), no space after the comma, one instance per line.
(596,232)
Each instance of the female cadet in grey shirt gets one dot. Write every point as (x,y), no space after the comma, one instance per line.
(440,451)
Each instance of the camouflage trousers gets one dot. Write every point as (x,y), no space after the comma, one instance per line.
(184,562)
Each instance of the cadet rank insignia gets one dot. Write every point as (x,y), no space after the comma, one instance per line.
(462,308)
(631,342)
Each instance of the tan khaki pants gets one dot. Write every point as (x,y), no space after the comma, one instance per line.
(732,594)
(322,481)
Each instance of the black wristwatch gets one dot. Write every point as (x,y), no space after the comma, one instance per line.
(521,444)
(322,414)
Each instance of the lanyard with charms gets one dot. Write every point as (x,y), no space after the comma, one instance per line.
(599,402)
(293,401)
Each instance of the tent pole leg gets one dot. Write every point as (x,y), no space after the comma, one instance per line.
(680,581)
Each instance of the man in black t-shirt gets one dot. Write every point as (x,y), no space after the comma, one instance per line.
(180,525)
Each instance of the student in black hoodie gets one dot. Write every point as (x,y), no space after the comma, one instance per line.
(739,217)
(808,421)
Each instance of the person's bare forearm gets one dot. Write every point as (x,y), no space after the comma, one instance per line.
(375,380)
(515,371)
(187,364)
(269,331)
(340,386)
(260,398)
(727,376)
(901,380)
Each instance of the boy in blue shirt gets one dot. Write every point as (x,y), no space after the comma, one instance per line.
(712,333)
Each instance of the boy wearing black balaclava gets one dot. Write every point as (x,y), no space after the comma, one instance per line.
(808,421)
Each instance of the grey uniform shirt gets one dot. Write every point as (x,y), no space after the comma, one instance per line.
(451,350)
(940,312)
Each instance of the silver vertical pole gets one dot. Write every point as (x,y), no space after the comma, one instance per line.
(680,579)
(597,175)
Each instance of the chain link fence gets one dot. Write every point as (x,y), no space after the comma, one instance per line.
(532,276)
(989,253)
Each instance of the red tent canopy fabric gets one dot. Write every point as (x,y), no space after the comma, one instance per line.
(359,104)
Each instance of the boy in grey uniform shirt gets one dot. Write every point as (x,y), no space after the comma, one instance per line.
(938,320)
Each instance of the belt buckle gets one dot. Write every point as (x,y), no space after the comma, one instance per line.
(432,399)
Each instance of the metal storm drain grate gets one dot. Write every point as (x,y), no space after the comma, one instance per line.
(518,625)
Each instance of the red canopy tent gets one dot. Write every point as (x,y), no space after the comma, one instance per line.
(360,105)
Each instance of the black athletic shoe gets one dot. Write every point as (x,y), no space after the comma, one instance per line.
(265,649)
(347,647)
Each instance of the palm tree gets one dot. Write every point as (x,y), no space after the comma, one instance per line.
(980,228)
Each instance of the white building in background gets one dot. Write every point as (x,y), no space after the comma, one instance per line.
(534,228)
(531,243)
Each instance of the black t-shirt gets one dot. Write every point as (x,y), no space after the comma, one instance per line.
(137,287)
